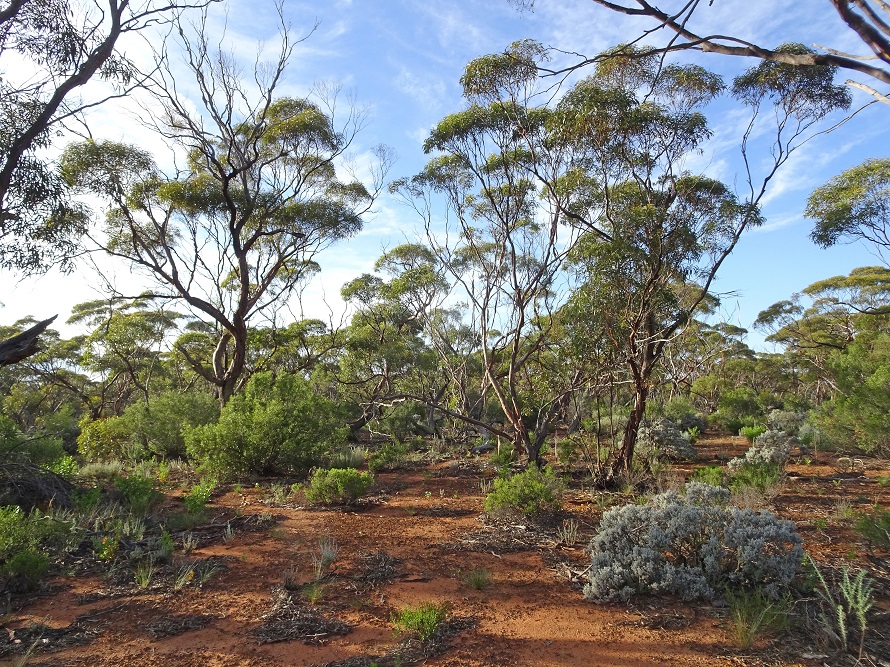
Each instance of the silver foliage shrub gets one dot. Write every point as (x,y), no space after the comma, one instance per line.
(693,546)
(769,448)
(663,438)
(786,421)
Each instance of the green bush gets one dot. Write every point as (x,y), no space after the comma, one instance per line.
(199,496)
(158,426)
(761,476)
(22,544)
(423,620)
(713,475)
(751,432)
(138,492)
(390,456)
(276,425)
(41,450)
(338,485)
(875,527)
(104,440)
(530,492)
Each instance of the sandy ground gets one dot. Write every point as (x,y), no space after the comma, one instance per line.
(415,542)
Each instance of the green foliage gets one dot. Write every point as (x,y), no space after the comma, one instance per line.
(199,496)
(760,476)
(859,412)
(159,425)
(139,493)
(423,620)
(275,425)
(104,439)
(23,544)
(737,408)
(40,449)
(751,432)
(713,475)
(753,614)
(875,527)
(530,492)
(338,485)
(390,456)
(846,604)
(853,205)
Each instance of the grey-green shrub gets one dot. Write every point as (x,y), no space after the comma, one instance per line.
(663,438)
(692,546)
(338,485)
(786,421)
(275,425)
(530,492)
(769,448)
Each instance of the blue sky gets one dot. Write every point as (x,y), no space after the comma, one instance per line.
(403,59)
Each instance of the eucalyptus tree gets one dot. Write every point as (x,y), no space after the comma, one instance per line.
(840,329)
(505,242)
(854,206)
(232,235)
(49,51)
(386,358)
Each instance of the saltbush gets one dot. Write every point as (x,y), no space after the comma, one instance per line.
(662,438)
(530,492)
(786,421)
(770,448)
(338,485)
(275,425)
(692,546)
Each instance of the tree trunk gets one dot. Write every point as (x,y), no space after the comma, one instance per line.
(621,464)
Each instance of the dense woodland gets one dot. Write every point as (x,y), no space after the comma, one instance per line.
(562,316)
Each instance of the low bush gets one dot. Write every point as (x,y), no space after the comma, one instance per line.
(662,438)
(199,496)
(786,421)
(23,541)
(713,475)
(751,432)
(875,527)
(530,492)
(391,456)
(422,620)
(769,448)
(275,425)
(139,493)
(338,485)
(693,546)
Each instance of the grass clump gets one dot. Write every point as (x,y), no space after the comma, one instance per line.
(530,492)
(753,615)
(338,485)
(478,579)
(422,620)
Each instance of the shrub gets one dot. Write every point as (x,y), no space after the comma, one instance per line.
(532,491)
(139,493)
(681,411)
(875,527)
(713,475)
(761,476)
(423,620)
(786,421)
(158,426)
(692,546)
(22,545)
(199,496)
(770,447)
(390,456)
(104,439)
(338,485)
(39,449)
(661,437)
(751,432)
(276,425)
